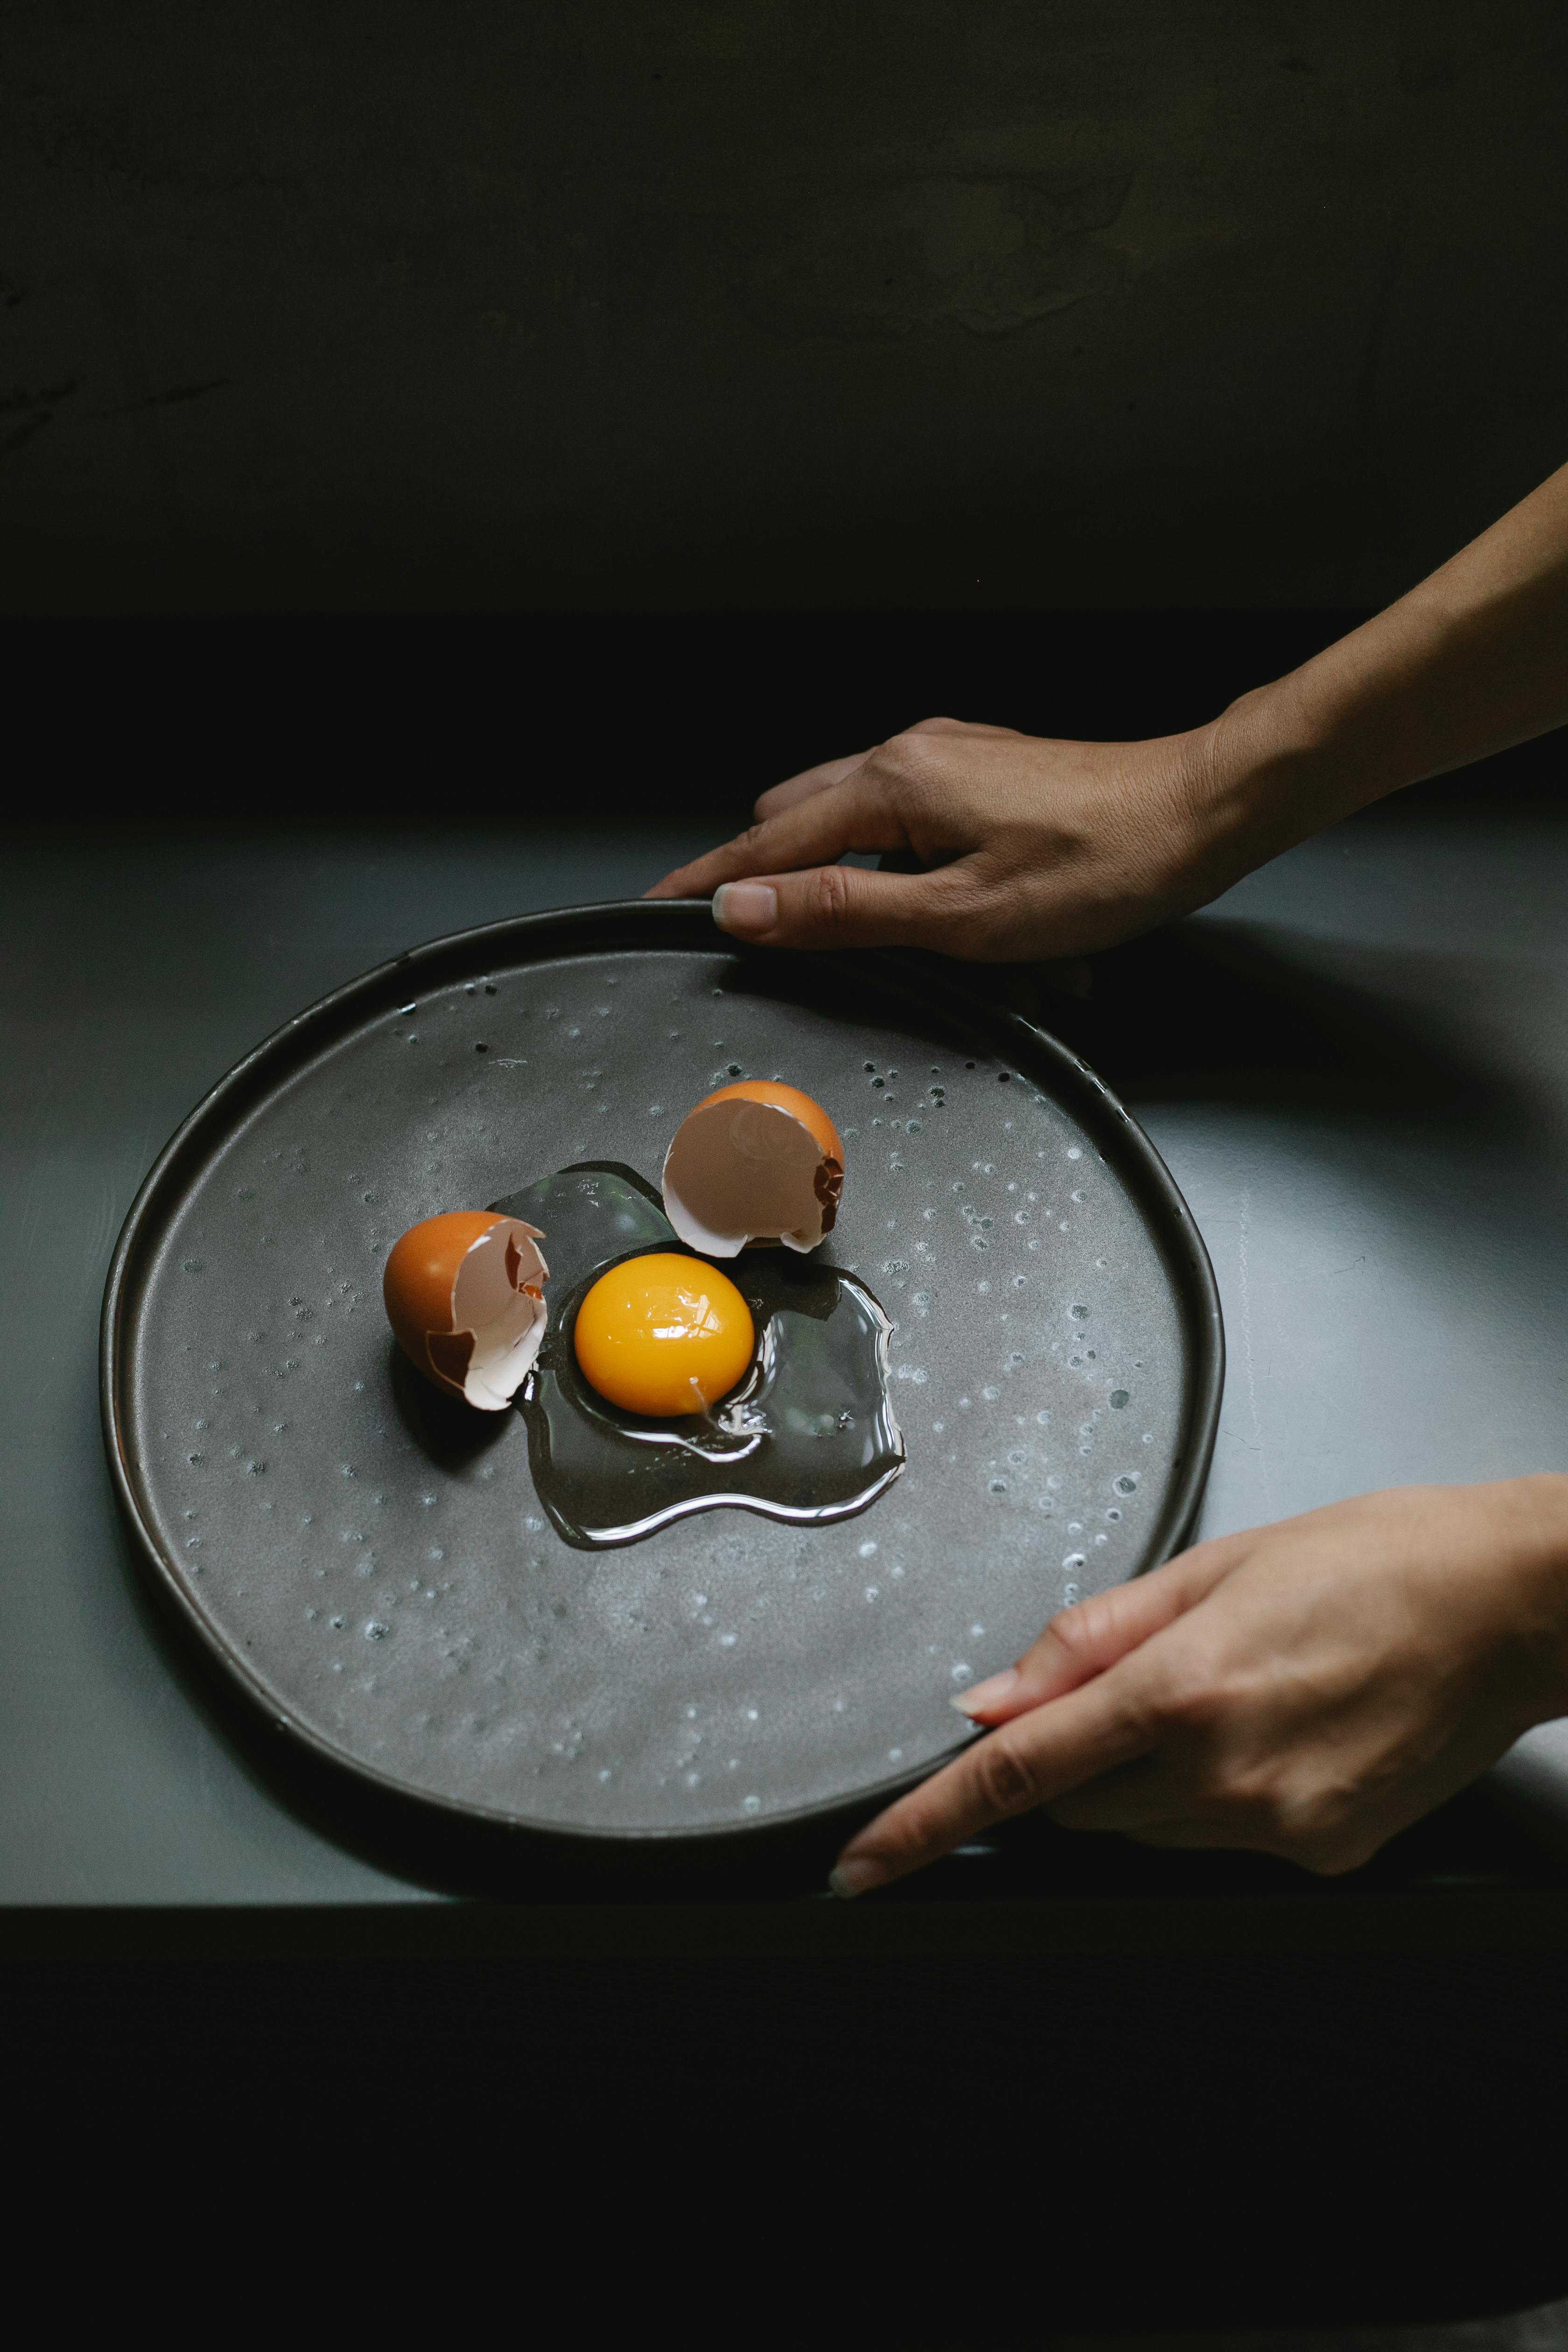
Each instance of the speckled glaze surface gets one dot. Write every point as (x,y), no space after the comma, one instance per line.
(372,1564)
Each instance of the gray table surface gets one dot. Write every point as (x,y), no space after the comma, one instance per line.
(1356,1066)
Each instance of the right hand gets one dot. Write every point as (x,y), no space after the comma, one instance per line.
(1036,848)
(1305,1689)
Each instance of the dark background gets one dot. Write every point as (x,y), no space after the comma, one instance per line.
(578,413)
(512,306)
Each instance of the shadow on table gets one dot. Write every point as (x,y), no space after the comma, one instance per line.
(449,1434)
(1241,1012)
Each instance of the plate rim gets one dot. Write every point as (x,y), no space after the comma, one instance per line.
(671,924)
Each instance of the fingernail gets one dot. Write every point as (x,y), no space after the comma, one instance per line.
(853,1875)
(746,907)
(981,1697)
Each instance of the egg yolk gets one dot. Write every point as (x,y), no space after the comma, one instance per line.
(664,1335)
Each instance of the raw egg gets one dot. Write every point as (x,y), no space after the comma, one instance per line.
(664,1335)
(808,1437)
(465,1296)
(754,1162)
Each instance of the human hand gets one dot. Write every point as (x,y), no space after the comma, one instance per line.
(1044,848)
(1038,848)
(1304,1689)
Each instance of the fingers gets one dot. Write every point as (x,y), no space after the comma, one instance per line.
(1134,1800)
(810,780)
(774,884)
(843,907)
(1025,1763)
(1084,1641)
(813,818)
(835,772)
(813,830)
(1076,1724)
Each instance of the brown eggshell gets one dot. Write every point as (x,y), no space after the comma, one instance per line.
(757,1162)
(465,1297)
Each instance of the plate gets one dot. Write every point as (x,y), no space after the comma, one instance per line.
(376,1571)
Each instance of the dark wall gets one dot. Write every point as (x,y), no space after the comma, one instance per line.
(446,305)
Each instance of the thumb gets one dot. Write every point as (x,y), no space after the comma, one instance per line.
(1084,1641)
(851,907)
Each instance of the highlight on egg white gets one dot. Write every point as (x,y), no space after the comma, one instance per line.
(756,1162)
(465,1296)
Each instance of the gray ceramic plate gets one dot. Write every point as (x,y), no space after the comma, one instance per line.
(378,1573)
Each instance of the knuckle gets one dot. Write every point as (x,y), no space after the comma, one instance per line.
(919,1828)
(1082,1630)
(1194,1716)
(1077,1635)
(979,896)
(1250,1795)
(1196,1703)
(1318,1829)
(904,759)
(1324,1835)
(966,911)
(966,886)
(830,895)
(1006,1779)
(1070,1631)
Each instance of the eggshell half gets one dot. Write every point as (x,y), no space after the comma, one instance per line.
(465,1296)
(756,1162)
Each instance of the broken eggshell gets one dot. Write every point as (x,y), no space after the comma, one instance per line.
(465,1296)
(756,1162)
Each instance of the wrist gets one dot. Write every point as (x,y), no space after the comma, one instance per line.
(1536,1548)
(1296,746)
(1258,779)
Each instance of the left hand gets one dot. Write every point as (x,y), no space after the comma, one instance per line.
(1029,847)
(1304,1689)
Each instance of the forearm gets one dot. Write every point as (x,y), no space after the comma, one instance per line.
(1472,660)
(1035,846)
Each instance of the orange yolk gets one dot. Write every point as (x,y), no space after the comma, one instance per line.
(664,1335)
